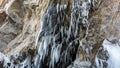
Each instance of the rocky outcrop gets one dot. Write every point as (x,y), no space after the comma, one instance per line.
(75,29)
(104,22)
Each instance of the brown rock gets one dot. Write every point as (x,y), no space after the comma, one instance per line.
(3,16)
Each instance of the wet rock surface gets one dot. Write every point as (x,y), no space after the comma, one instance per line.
(57,33)
(57,38)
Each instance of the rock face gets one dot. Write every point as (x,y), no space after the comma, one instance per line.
(57,33)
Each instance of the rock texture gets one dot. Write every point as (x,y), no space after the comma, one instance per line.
(22,22)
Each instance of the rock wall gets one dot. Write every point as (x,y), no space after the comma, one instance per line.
(21,22)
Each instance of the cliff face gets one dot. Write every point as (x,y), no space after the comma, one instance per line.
(57,33)
(20,22)
(104,24)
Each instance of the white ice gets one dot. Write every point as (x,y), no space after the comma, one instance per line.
(114,54)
